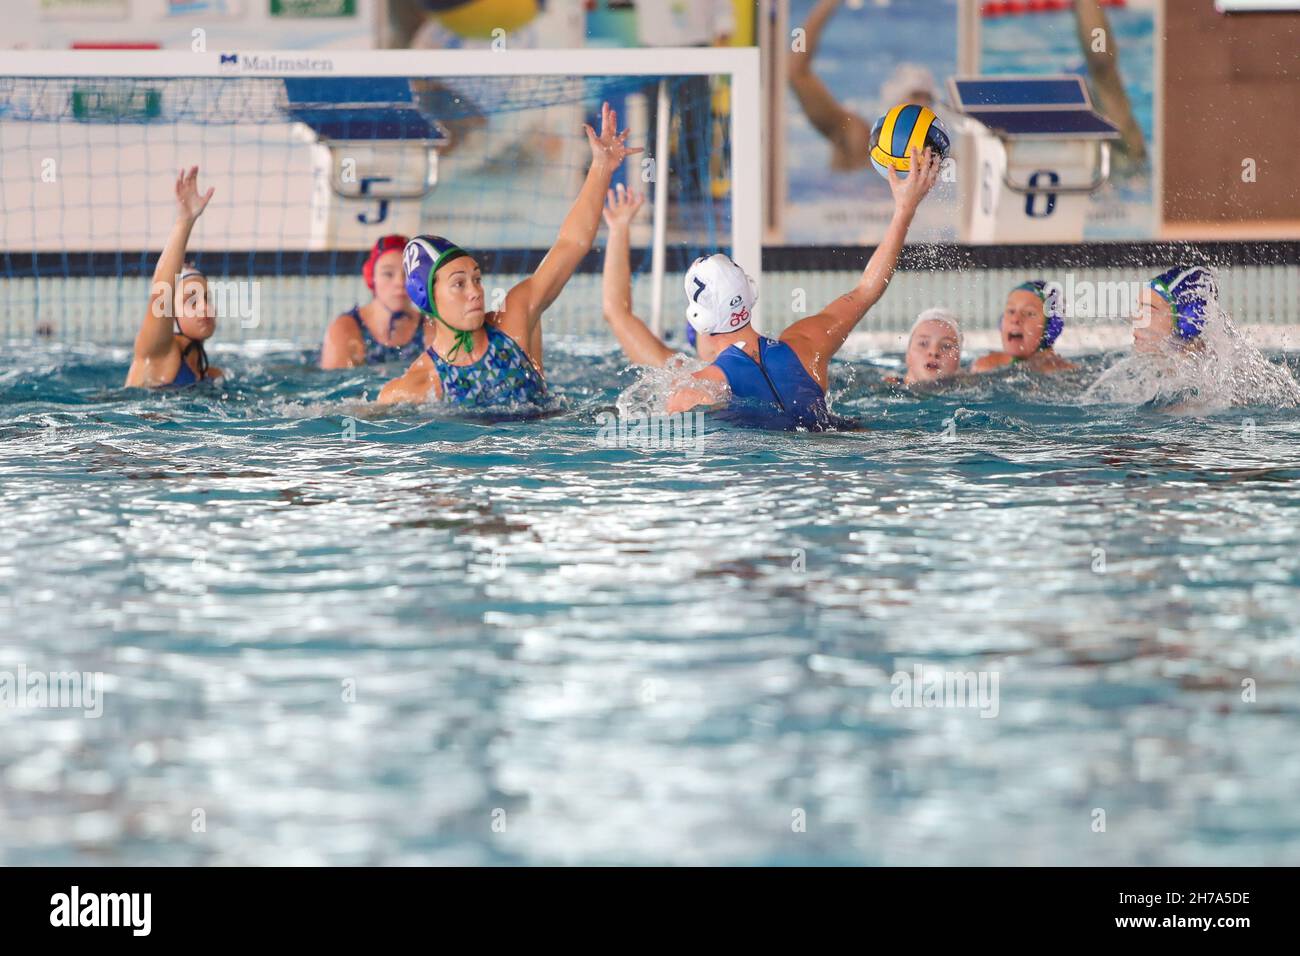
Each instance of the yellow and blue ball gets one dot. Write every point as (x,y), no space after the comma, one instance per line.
(895,134)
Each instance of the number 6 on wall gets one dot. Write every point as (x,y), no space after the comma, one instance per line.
(1035,190)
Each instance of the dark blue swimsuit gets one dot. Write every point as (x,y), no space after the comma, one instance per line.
(185,375)
(774,392)
(377,353)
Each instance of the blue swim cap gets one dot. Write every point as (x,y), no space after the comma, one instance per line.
(1189,290)
(422,258)
(1053,317)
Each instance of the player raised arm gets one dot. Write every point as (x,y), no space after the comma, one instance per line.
(154,340)
(817,338)
(577,233)
(641,346)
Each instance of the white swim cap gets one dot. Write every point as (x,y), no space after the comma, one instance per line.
(722,295)
(937,314)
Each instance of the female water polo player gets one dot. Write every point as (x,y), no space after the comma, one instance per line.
(1174,307)
(388,328)
(480,358)
(180,318)
(640,345)
(1185,348)
(787,377)
(1030,325)
(933,347)
(1187,356)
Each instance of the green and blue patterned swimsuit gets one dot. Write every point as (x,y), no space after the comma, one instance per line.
(503,376)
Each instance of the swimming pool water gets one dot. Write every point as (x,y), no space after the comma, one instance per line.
(452,641)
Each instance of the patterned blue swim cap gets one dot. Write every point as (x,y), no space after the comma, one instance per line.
(421,259)
(1189,290)
(1053,317)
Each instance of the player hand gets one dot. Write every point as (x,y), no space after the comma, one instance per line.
(621,206)
(189,202)
(924,173)
(610,147)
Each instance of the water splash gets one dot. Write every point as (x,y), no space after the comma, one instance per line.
(649,393)
(1221,369)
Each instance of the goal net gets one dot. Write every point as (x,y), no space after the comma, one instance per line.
(315,156)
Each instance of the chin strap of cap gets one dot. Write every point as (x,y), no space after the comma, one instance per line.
(464,339)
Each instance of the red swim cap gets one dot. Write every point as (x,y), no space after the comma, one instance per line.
(385,244)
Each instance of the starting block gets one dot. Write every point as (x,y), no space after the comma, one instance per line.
(1041,150)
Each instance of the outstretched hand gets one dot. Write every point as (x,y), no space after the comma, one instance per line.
(610,147)
(924,173)
(621,206)
(189,202)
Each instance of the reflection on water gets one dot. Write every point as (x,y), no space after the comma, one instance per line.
(463,641)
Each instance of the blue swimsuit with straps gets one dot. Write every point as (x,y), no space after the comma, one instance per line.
(377,353)
(185,375)
(774,392)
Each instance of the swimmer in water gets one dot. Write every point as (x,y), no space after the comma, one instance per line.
(169,349)
(1030,325)
(787,377)
(1173,309)
(388,328)
(1185,345)
(1176,367)
(640,344)
(481,358)
(933,348)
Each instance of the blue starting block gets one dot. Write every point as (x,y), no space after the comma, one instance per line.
(1041,149)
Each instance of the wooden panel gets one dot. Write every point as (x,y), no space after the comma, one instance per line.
(1231,92)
